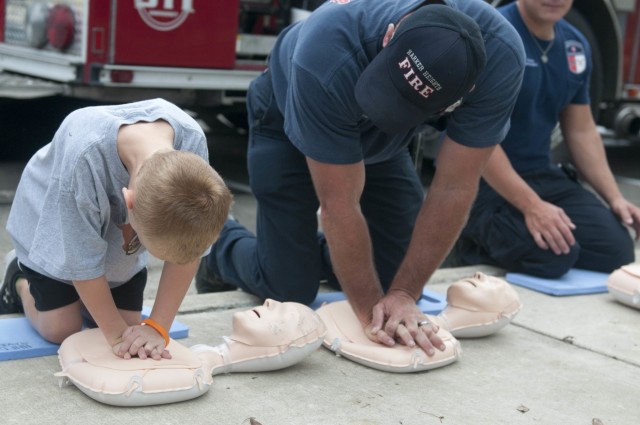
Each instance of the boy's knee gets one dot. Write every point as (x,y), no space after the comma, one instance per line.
(58,332)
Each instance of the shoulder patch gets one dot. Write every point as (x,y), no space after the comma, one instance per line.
(576,58)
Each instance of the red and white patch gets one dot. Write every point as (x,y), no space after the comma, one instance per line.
(340,1)
(576,57)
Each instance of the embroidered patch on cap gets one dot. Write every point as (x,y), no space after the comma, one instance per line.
(430,64)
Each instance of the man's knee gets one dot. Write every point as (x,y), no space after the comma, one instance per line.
(548,265)
(618,253)
(282,284)
(303,292)
(624,249)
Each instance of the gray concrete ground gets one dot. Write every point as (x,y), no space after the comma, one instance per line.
(569,360)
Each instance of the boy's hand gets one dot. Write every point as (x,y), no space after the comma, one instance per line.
(141,341)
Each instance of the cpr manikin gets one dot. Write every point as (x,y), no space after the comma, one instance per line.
(277,335)
(476,307)
(624,285)
(269,337)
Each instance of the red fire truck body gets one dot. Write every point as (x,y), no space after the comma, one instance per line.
(204,53)
(189,50)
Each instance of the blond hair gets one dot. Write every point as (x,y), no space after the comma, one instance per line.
(181,204)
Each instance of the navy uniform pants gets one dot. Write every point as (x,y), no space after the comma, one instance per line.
(496,232)
(288,257)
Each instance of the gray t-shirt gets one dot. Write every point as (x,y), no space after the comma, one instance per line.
(65,218)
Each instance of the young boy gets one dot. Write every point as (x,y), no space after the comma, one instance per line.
(115,182)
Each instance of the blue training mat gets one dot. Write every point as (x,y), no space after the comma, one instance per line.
(430,302)
(574,282)
(18,340)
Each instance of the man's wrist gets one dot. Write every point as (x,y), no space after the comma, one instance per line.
(404,293)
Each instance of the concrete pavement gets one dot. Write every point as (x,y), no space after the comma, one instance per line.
(571,360)
(564,360)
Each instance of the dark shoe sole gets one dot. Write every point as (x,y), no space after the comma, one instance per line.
(9,299)
(207,282)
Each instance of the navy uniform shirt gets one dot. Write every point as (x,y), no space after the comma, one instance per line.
(315,65)
(547,89)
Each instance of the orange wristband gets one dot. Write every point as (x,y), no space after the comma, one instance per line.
(158,327)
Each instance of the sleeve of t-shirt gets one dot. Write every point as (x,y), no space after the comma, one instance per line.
(320,123)
(194,141)
(483,119)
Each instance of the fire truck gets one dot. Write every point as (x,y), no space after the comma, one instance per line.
(202,54)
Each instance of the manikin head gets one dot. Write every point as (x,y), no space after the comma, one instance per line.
(274,324)
(479,306)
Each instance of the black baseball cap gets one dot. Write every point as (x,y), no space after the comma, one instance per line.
(430,64)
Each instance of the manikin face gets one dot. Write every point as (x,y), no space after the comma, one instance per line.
(273,324)
(482,293)
(544,11)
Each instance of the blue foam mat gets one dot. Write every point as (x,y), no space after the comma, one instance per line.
(18,340)
(574,282)
(429,303)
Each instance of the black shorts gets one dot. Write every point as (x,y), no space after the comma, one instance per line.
(50,294)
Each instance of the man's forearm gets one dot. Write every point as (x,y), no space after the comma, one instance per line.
(591,161)
(439,223)
(587,150)
(501,176)
(352,260)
